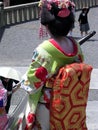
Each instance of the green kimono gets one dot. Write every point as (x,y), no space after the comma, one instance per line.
(47,58)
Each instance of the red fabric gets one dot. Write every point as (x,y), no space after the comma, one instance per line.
(30,121)
(64,13)
(41,73)
(37,84)
(31,117)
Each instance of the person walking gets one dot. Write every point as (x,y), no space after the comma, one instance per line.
(83,21)
(48,57)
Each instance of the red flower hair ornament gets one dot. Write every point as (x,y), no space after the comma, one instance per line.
(63,13)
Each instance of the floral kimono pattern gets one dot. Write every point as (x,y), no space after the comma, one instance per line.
(47,59)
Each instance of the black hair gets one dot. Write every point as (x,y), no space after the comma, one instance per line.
(57,26)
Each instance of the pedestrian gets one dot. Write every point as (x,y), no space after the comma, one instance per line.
(83,21)
(3,102)
(8,85)
(59,50)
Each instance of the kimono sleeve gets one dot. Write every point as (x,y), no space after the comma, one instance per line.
(36,76)
(38,71)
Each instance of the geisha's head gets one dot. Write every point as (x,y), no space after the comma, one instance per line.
(57,17)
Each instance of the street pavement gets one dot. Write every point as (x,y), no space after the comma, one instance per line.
(18,42)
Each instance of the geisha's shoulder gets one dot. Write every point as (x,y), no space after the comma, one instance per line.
(46,44)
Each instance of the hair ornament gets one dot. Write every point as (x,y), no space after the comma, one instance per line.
(63,13)
(62,5)
(70,3)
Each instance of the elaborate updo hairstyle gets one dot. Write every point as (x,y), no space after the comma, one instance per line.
(58,16)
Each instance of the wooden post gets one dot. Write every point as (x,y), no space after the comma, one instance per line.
(1,14)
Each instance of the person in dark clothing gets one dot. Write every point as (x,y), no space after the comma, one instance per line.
(8,85)
(83,21)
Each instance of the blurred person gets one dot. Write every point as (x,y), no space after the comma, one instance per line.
(83,21)
(8,85)
(3,102)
